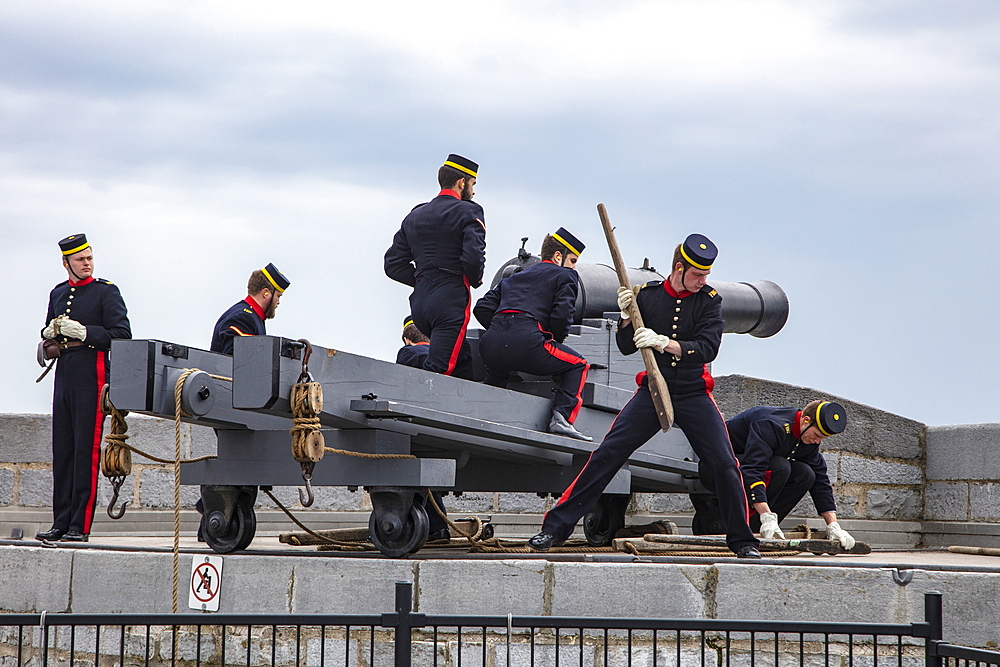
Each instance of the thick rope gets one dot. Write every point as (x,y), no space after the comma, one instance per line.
(473,538)
(365,455)
(351,546)
(178,387)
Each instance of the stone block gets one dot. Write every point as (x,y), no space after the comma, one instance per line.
(946,502)
(669,591)
(190,646)
(34,489)
(869,471)
(26,438)
(850,595)
(35,579)
(203,440)
(520,503)
(6,486)
(984,502)
(125,495)
(156,489)
(659,503)
(348,586)
(833,466)
(847,507)
(971,605)
(156,436)
(545,656)
(956,452)
(484,587)
(330,651)
(113,582)
(870,431)
(422,653)
(471,503)
(252,584)
(898,504)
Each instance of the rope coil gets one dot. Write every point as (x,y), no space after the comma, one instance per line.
(308,445)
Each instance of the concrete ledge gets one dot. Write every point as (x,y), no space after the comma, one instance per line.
(81,580)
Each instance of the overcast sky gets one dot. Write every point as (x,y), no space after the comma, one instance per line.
(847,151)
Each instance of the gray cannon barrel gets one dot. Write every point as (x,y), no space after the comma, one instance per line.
(759,308)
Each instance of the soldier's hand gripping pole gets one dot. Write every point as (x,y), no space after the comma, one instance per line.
(657,385)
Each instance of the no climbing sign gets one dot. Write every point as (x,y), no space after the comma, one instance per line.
(206,583)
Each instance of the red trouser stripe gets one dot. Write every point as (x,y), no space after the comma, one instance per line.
(95,454)
(569,489)
(453,360)
(562,355)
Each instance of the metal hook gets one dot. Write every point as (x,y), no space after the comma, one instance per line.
(116,484)
(306,376)
(307,499)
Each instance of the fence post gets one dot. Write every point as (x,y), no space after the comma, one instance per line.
(934,618)
(404,604)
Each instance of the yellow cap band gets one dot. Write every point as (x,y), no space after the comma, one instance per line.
(819,422)
(271,280)
(86,244)
(692,262)
(568,246)
(757,484)
(453,165)
(407,323)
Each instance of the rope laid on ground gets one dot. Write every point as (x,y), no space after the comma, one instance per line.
(348,546)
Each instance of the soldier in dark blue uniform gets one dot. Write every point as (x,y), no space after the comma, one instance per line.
(84,315)
(778,450)
(247,317)
(527,317)
(683,317)
(440,251)
(412,354)
(415,345)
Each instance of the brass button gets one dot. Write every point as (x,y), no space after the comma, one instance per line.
(69,303)
(677,310)
(676,318)
(675,326)
(678,300)
(67,310)
(673,363)
(673,335)
(72,289)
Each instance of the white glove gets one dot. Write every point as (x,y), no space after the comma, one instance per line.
(769,529)
(837,534)
(52,329)
(73,329)
(625,298)
(648,338)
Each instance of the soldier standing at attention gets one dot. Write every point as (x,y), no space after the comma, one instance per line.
(84,315)
(527,317)
(683,317)
(247,317)
(440,251)
(778,450)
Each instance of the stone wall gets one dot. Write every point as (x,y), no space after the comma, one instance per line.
(26,472)
(963,473)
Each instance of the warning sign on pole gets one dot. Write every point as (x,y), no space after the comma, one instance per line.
(206,583)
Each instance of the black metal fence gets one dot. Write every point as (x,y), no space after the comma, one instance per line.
(405,639)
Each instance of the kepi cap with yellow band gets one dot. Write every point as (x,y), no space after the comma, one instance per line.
(571,243)
(831,418)
(73,244)
(276,278)
(464,165)
(407,321)
(699,251)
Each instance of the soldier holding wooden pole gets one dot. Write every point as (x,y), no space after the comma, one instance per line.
(683,324)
